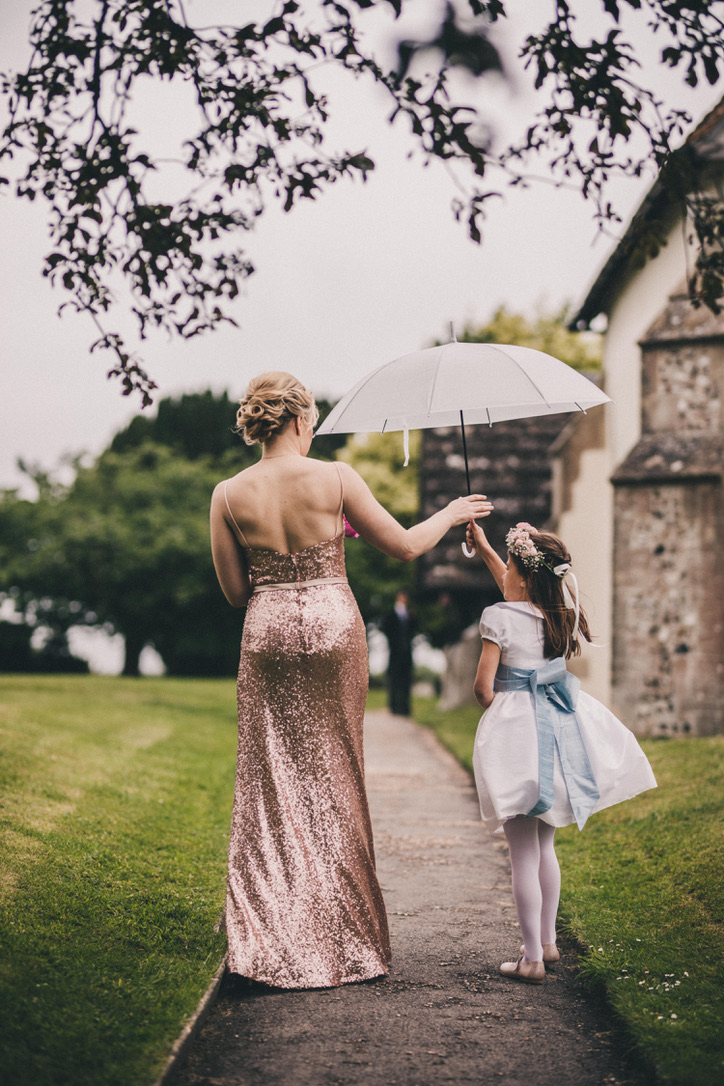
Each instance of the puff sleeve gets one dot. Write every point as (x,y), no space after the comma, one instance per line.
(494,626)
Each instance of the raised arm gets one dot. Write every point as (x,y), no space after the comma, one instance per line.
(477,539)
(379,528)
(227,554)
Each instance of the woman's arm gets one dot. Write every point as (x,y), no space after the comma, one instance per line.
(379,528)
(477,539)
(228,556)
(485,676)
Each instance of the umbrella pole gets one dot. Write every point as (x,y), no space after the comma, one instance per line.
(467,551)
(465,451)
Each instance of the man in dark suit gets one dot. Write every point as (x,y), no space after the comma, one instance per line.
(399,629)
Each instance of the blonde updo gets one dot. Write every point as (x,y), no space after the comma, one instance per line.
(270,401)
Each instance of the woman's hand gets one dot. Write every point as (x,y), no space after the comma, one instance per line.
(377,527)
(462,510)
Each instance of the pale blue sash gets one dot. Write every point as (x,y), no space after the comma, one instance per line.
(555,695)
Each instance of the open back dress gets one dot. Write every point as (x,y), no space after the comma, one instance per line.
(304,908)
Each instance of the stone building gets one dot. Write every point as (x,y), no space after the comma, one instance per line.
(639,491)
(668,580)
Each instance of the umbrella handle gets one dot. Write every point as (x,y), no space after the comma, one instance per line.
(467,551)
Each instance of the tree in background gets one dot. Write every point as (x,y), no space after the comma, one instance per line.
(255,134)
(125,547)
(195,425)
(20,529)
(547,332)
(201,424)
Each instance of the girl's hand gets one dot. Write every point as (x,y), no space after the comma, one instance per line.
(476,538)
(463,510)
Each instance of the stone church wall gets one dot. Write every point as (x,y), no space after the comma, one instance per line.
(668,576)
(668,587)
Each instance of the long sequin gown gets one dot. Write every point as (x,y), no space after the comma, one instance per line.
(304,908)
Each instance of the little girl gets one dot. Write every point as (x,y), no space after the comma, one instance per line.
(545,754)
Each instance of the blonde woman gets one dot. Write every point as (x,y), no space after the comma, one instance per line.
(304,908)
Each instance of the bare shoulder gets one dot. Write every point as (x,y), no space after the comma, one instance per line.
(321,470)
(228,489)
(349,475)
(217,494)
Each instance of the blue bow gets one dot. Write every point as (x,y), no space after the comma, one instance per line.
(555,694)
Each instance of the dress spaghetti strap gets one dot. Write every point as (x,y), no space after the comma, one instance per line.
(340,511)
(233,518)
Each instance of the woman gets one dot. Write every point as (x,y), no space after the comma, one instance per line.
(304,908)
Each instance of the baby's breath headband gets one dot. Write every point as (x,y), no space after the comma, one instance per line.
(519,543)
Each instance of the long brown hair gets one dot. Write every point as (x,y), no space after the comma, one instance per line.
(545,591)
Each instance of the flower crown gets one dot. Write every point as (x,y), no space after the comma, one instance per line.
(520,544)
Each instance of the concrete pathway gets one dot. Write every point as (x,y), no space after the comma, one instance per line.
(444,1015)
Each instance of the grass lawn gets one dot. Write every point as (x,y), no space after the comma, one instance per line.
(114,814)
(115,804)
(643,894)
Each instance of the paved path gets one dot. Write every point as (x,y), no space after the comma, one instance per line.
(444,1015)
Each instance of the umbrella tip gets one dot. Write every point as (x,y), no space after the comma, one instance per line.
(453,337)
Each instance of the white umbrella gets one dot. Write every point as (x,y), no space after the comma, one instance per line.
(458,384)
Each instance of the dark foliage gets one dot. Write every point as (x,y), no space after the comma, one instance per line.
(198,424)
(17,653)
(201,424)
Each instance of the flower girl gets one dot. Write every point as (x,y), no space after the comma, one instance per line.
(546,754)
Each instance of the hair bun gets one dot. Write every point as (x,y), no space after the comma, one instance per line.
(270,401)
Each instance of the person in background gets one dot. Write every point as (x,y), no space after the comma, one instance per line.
(399,629)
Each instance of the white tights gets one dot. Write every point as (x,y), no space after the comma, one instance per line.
(536,881)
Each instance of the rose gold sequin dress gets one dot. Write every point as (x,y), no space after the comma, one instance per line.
(304,908)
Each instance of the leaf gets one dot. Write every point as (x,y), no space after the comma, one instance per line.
(361,162)
(273,26)
(710,68)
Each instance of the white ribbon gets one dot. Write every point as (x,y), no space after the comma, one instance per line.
(564,571)
(406,446)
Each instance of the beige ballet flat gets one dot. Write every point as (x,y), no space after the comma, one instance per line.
(527,972)
(551,953)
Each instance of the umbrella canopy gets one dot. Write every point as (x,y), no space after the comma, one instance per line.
(459,383)
(471,383)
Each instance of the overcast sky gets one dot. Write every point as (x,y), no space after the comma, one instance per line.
(366,273)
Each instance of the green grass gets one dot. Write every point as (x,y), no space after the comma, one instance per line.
(643,895)
(376,699)
(115,802)
(116,799)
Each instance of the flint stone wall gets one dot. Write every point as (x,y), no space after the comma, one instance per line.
(668,674)
(668,665)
